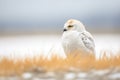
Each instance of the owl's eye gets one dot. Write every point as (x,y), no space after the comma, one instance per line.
(70,26)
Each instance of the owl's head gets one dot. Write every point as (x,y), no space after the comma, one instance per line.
(73,25)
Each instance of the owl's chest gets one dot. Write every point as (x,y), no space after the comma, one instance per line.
(71,40)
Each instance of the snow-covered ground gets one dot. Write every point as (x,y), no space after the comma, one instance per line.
(29,46)
(17,47)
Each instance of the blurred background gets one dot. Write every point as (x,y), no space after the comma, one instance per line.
(49,16)
(30,28)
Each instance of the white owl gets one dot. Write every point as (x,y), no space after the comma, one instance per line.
(76,38)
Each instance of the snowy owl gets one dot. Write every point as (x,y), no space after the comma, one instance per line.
(76,38)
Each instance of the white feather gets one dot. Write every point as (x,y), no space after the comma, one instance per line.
(77,39)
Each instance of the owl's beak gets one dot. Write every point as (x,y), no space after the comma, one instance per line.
(64,30)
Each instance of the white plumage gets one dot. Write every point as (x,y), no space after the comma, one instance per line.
(76,38)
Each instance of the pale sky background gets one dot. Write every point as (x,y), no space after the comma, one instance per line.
(37,15)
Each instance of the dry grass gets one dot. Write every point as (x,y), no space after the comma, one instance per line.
(80,62)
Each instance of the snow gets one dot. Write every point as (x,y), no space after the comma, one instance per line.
(17,47)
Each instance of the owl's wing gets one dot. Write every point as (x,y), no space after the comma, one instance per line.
(87,40)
